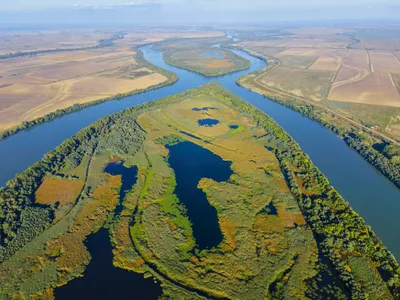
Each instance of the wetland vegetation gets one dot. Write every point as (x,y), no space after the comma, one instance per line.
(281,230)
(386,158)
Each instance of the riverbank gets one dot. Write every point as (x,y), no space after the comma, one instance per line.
(264,160)
(193,56)
(171,79)
(348,172)
(370,145)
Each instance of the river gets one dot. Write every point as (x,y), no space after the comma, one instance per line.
(374,197)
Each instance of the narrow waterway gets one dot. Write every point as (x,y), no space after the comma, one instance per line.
(374,197)
(128,179)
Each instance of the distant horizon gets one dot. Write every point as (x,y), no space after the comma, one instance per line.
(197,25)
(187,12)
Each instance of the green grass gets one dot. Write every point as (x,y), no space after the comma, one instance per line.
(241,128)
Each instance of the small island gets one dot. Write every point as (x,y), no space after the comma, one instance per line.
(199,55)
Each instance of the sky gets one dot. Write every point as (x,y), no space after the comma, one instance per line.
(193,11)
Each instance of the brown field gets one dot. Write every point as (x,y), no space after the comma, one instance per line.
(355,82)
(374,88)
(396,80)
(296,61)
(140,37)
(63,191)
(357,58)
(218,63)
(296,42)
(299,52)
(348,74)
(329,61)
(384,62)
(34,86)
(364,64)
(378,44)
(23,41)
(311,84)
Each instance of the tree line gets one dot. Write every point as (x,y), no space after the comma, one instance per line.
(340,231)
(385,160)
(172,78)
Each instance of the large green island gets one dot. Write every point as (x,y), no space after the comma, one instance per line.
(202,56)
(202,194)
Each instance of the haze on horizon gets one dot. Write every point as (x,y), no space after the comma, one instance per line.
(168,12)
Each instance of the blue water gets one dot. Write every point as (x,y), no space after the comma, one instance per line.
(208,122)
(191,163)
(128,179)
(374,197)
(102,281)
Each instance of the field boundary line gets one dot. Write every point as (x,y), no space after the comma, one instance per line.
(335,112)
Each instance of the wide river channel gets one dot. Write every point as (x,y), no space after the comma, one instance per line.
(368,192)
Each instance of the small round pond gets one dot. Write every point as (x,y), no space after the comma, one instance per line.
(208,122)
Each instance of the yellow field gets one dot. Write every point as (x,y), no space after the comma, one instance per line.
(374,88)
(381,44)
(328,61)
(299,52)
(52,191)
(365,84)
(365,78)
(357,58)
(23,41)
(310,84)
(384,62)
(140,37)
(31,87)
(304,42)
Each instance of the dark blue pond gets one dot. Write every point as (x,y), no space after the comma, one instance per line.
(233,126)
(208,122)
(104,281)
(128,177)
(191,163)
(204,108)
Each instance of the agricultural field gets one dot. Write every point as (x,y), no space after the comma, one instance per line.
(24,41)
(203,56)
(335,67)
(152,35)
(261,195)
(32,87)
(366,77)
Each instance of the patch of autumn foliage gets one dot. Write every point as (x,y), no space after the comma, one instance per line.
(229,230)
(63,191)
(93,213)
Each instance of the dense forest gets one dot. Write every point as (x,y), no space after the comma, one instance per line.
(340,231)
(385,157)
